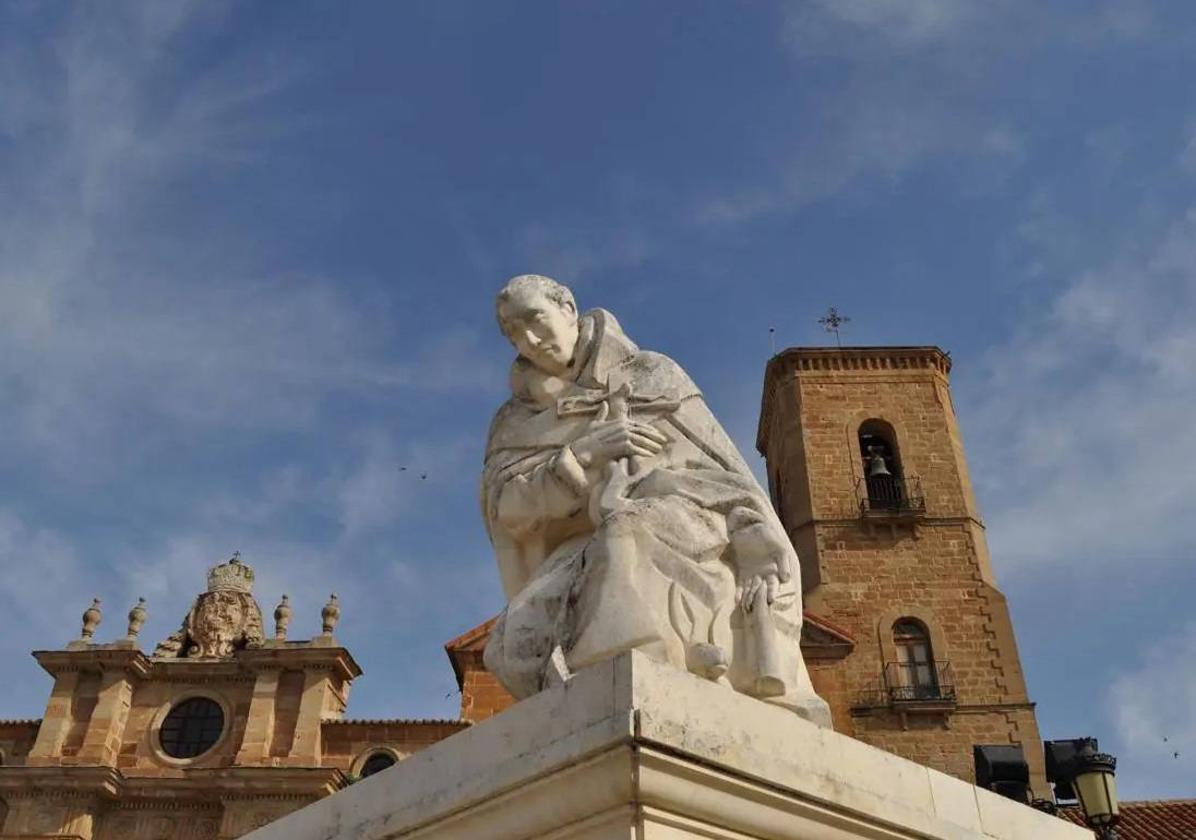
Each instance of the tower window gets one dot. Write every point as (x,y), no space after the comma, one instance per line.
(192,728)
(916,675)
(376,763)
(882,467)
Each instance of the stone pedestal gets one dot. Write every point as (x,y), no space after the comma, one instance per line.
(633,750)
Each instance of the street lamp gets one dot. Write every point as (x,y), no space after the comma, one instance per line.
(1079,771)
(1096,789)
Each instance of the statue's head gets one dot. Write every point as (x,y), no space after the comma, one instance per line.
(539,316)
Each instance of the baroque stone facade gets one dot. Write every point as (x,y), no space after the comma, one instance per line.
(219,732)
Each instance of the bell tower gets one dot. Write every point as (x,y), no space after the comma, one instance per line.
(866,468)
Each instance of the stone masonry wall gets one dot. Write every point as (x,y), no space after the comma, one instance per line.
(866,574)
(481,694)
(16,739)
(348,743)
(140,754)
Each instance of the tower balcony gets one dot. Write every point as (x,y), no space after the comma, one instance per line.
(890,501)
(910,688)
(888,495)
(919,682)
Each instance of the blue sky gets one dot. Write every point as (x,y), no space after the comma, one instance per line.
(249,252)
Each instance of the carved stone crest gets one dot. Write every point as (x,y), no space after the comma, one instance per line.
(222,620)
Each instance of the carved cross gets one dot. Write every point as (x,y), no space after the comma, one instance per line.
(621,401)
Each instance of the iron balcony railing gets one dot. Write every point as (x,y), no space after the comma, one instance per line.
(886,495)
(914,682)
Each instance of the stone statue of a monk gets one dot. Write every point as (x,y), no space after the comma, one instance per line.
(623,517)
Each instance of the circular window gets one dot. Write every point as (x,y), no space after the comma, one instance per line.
(377,762)
(192,728)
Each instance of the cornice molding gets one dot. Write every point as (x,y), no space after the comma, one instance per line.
(858,363)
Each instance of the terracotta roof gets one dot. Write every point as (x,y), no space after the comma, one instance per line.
(1164,819)
(828,625)
(400,722)
(21,722)
(474,639)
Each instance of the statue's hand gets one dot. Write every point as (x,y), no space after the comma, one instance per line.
(749,583)
(761,561)
(609,440)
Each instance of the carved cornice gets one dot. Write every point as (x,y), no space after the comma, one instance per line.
(198,784)
(455,723)
(336,660)
(94,659)
(164,804)
(21,781)
(857,362)
(198,671)
(255,782)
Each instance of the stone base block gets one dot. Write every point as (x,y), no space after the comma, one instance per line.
(634,750)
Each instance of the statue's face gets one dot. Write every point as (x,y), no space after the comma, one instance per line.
(542,330)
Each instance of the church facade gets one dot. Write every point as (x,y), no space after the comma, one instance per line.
(217,732)
(225,727)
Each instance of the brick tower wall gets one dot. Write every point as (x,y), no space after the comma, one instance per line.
(865,573)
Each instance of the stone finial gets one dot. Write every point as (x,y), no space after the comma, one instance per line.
(136,619)
(91,620)
(331,614)
(282,618)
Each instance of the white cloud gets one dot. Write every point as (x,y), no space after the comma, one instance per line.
(822,25)
(908,84)
(1079,441)
(1187,158)
(576,256)
(1153,706)
(41,574)
(119,337)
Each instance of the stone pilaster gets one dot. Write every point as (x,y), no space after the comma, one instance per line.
(306,748)
(56,722)
(259,728)
(105,730)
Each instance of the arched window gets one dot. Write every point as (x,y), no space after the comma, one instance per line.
(376,763)
(881,464)
(916,675)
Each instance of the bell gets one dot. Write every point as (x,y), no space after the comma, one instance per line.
(877,465)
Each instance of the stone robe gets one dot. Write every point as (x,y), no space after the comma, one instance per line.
(643,553)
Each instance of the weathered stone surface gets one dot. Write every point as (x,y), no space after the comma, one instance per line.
(222,620)
(94,767)
(866,573)
(631,748)
(623,517)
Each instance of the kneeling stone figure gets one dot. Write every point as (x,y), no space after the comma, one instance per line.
(623,517)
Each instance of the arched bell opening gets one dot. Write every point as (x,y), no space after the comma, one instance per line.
(883,475)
